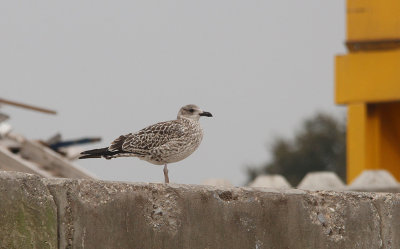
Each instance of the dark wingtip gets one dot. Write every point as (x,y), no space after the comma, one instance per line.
(95,151)
(89,156)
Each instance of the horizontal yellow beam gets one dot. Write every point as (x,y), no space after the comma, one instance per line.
(368,77)
(373,20)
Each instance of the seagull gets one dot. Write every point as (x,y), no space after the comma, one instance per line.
(161,143)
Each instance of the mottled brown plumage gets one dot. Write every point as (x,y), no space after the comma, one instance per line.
(161,143)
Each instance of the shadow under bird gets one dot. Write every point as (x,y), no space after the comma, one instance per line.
(161,143)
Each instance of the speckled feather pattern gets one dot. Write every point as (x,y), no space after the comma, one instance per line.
(161,143)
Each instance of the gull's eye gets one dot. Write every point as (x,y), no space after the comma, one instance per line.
(191,110)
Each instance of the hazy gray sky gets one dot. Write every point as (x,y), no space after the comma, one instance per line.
(114,67)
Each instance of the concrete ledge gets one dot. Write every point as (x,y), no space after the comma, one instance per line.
(100,214)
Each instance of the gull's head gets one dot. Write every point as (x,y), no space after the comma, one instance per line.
(192,112)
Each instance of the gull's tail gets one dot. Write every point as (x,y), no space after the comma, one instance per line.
(97,153)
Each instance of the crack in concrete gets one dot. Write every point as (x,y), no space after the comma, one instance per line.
(380,222)
(67,235)
(57,213)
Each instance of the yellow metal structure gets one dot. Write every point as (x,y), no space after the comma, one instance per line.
(373,20)
(368,77)
(368,82)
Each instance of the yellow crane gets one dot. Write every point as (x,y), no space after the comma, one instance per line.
(368,82)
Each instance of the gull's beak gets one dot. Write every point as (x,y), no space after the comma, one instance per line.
(207,114)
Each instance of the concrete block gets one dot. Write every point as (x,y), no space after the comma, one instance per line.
(28,215)
(99,214)
(217,182)
(321,181)
(270,181)
(375,181)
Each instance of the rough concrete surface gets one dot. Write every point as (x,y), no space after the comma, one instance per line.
(120,215)
(27,212)
(100,214)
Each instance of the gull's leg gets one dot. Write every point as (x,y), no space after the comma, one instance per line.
(166,178)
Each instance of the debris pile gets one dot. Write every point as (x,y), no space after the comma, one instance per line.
(48,158)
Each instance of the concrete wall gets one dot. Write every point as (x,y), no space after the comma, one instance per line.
(63,213)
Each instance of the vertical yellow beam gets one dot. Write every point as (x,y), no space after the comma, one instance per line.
(389,137)
(363,139)
(373,137)
(356,130)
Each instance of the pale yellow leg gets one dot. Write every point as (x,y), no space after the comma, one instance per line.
(166,178)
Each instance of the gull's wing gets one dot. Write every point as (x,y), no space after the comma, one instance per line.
(151,137)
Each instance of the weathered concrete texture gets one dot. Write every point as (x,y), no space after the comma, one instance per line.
(28,215)
(322,180)
(98,214)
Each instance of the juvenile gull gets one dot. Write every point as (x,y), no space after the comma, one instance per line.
(161,143)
